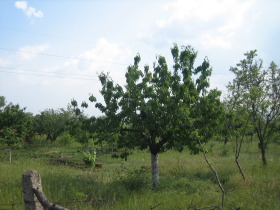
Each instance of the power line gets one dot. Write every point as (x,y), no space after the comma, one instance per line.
(62,56)
(44,75)
(91,77)
(11,72)
(49,35)
(13,68)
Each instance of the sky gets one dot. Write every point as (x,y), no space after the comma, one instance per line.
(52,51)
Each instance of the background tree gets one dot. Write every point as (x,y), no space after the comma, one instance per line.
(14,117)
(13,124)
(2,101)
(81,127)
(159,109)
(51,123)
(237,125)
(257,90)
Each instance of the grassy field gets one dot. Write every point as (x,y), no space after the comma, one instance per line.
(186,180)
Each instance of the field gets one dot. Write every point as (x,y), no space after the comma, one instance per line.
(186,180)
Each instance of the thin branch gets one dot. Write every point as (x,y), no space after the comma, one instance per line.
(153,207)
(209,207)
(215,172)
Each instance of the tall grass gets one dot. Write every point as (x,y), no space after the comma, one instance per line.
(186,181)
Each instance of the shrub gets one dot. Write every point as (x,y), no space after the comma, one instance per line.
(89,158)
(65,139)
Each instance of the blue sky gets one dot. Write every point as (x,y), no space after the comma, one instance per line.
(51,51)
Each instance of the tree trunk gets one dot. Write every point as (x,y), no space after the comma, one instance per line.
(155,172)
(225,140)
(263,152)
(240,169)
(10,154)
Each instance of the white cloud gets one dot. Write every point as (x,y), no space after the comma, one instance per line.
(210,40)
(28,11)
(21,5)
(30,52)
(4,62)
(107,57)
(205,10)
(104,57)
(226,17)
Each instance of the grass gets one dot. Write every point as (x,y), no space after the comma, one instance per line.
(186,180)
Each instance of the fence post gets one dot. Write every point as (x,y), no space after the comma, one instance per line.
(31,179)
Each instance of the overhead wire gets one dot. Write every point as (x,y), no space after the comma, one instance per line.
(49,35)
(11,72)
(62,56)
(46,74)
(59,56)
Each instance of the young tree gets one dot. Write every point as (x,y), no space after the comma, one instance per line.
(159,109)
(237,125)
(258,92)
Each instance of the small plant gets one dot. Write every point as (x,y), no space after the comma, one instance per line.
(89,158)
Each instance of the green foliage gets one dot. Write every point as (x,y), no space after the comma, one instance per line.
(74,194)
(65,139)
(159,109)
(14,117)
(82,137)
(89,158)
(2,101)
(121,153)
(136,180)
(51,123)
(254,95)
(10,137)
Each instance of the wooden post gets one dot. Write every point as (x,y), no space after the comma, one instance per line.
(33,196)
(31,180)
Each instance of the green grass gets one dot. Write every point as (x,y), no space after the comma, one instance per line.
(186,180)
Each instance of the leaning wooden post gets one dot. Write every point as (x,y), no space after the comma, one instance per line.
(31,180)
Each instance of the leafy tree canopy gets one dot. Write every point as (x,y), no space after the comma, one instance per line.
(160,109)
(257,91)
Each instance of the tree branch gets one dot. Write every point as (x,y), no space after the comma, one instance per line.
(215,172)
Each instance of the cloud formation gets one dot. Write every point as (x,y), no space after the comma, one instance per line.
(226,18)
(28,11)
(30,52)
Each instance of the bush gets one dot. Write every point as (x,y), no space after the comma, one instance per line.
(89,158)
(65,139)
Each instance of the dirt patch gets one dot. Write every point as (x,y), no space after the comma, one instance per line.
(67,163)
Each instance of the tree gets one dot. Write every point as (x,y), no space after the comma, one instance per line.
(257,90)
(51,123)
(13,124)
(2,101)
(161,110)
(237,125)
(79,125)
(14,117)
